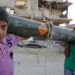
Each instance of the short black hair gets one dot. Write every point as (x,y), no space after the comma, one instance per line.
(3,14)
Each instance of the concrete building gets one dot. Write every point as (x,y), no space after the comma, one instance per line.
(54,11)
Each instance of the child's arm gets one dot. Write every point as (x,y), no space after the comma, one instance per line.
(16,39)
(66,50)
(22,38)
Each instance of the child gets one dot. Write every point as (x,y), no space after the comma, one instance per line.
(7,43)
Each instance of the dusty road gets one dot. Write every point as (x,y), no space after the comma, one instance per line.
(38,61)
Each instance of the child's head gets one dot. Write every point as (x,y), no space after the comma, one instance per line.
(3,23)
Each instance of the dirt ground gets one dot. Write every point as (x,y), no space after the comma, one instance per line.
(45,61)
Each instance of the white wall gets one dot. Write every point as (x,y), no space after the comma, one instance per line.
(7,2)
(55,0)
(71,13)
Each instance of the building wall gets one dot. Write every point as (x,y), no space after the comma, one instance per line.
(55,0)
(8,3)
(46,13)
(31,9)
(24,11)
(55,13)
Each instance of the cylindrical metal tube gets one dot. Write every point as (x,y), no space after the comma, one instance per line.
(62,34)
(25,27)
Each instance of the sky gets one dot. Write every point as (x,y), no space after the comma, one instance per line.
(71,11)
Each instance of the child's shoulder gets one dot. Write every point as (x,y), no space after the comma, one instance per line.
(10,36)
